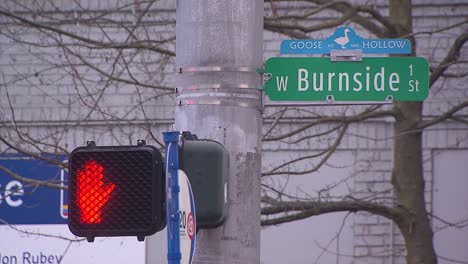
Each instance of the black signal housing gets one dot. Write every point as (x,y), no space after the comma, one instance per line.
(116,191)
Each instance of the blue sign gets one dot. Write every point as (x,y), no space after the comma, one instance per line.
(25,203)
(345,38)
(180,206)
(171,140)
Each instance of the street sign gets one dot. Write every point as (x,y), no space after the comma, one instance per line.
(345,38)
(23,203)
(187,220)
(181,223)
(372,79)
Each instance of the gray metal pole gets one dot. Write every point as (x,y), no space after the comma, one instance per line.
(219,47)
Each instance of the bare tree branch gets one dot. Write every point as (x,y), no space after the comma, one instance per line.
(31,181)
(27,232)
(328,154)
(435,31)
(344,8)
(368,114)
(452,260)
(447,115)
(452,56)
(306,209)
(328,132)
(130,45)
(290,162)
(275,122)
(276,23)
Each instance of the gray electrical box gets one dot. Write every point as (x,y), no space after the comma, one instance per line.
(206,164)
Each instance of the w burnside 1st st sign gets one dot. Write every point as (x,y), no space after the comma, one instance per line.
(372,79)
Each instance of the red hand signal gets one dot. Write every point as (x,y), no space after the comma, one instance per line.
(93,194)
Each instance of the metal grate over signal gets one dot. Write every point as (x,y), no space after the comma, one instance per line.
(116,191)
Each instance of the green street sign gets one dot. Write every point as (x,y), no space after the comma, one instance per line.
(372,79)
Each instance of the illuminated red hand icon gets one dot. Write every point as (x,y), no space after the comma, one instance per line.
(93,194)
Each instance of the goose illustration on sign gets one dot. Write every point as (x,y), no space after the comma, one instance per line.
(342,41)
(345,38)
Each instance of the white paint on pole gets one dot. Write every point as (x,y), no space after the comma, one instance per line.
(187,219)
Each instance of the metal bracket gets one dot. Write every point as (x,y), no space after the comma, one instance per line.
(90,143)
(266,77)
(216,86)
(329,100)
(346,55)
(323,103)
(389,99)
(141,142)
(217,69)
(218,101)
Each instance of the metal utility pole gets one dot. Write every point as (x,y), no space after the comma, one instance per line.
(219,48)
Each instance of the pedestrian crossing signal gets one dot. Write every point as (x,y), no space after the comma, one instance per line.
(116,191)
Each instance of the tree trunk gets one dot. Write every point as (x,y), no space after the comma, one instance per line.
(408,181)
(407,177)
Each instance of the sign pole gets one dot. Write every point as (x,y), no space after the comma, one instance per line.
(219,51)
(171,140)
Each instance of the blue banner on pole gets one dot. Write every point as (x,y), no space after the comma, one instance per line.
(345,38)
(26,203)
(171,140)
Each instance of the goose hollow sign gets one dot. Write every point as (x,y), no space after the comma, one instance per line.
(372,79)
(345,38)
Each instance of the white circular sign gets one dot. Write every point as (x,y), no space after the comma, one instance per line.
(187,224)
